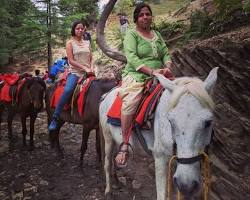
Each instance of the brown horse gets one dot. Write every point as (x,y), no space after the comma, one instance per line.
(89,120)
(30,102)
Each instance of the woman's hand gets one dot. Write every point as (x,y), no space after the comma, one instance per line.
(165,71)
(88,70)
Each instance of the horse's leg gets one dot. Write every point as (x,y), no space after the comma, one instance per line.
(24,128)
(57,141)
(109,143)
(161,176)
(33,117)
(10,117)
(98,145)
(1,110)
(84,146)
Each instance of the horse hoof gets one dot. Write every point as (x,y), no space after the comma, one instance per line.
(108,196)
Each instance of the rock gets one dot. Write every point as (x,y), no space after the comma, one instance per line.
(136,185)
(17,196)
(123,180)
(29,188)
(20,175)
(46,142)
(44,183)
(232,117)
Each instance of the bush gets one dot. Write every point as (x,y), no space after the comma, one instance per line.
(225,8)
(168,30)
(199,24)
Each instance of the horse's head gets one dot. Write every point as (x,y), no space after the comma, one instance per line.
(190,113)
(36,91)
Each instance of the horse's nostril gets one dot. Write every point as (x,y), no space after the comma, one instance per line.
(175,181)
(194,187)
(186,189)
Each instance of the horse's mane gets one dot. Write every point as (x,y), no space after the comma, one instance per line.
(105,80)
(193,86)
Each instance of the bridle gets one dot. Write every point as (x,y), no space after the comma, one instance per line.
(202,156)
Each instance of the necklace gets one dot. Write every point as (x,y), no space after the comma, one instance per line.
(79,42)
(146,34)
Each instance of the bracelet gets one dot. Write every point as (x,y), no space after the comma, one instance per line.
(151,72)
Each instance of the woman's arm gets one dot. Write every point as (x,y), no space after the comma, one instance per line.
(69,52)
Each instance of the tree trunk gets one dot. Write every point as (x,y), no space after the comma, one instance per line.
(49,34)
(100,38)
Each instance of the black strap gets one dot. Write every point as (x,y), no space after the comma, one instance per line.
(190,160)
(142,139)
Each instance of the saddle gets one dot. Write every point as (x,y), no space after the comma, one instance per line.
(79,94)
(145,112)
(10,87)
(144,115)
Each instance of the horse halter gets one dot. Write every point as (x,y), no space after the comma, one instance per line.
(205,171)
(190,160)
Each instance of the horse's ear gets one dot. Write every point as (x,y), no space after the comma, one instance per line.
(166,83)
(211,79)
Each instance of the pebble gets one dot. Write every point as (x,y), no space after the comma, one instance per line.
(136,185)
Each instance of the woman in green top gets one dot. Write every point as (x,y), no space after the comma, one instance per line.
(146,54)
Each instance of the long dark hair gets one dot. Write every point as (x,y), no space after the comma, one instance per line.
(138,10)
(74,26)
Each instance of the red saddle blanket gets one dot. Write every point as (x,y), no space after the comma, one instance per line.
(148,105)
(80,99)
(10,80)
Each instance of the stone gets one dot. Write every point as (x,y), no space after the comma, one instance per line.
(136,185)
(123,180)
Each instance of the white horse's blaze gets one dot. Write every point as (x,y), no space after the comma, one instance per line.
(184,118)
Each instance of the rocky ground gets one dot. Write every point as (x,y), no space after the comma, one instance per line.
(41,175)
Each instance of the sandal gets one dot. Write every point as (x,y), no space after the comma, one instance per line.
(124,155)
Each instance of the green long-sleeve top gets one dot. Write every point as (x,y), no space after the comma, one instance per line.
(141,51)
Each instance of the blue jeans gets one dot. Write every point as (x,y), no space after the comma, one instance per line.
(67,93)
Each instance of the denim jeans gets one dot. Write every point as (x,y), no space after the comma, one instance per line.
(67,93)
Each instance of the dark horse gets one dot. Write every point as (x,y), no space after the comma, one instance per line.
(29,103)
(89,120)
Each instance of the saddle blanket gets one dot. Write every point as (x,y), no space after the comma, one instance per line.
(146,108)
(81,96)
(11,84)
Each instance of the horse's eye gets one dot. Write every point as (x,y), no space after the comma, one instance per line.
(207,123)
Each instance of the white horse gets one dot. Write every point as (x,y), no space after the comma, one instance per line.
(183,117)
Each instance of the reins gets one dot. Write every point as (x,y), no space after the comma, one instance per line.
(205,173)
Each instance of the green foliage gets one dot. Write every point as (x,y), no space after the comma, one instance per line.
(24,26)
(227,7)
(124,5)
(167,29)
(199,25)
(13,14)
(247,6)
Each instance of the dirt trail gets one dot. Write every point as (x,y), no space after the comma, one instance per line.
(40,175)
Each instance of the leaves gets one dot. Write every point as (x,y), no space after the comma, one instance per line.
(25,28)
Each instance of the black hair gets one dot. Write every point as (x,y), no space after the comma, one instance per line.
(74,26)
(37,72)
(138,10)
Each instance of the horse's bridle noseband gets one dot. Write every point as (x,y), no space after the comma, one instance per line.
(186,161)
(190,160)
